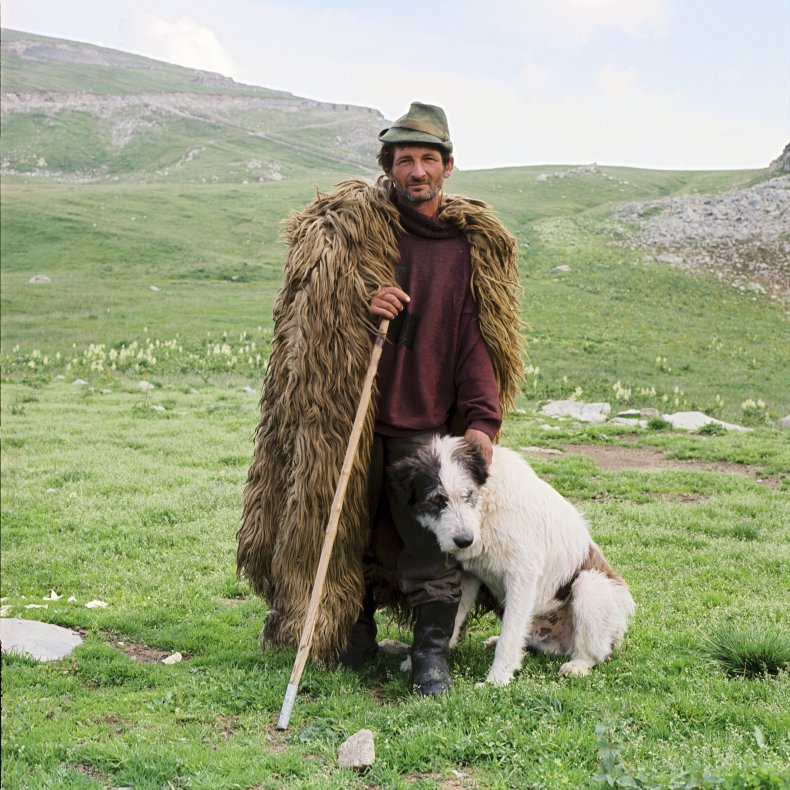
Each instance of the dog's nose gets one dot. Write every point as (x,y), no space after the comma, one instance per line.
(462,542)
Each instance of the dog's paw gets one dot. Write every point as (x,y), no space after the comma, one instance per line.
(490,642)
(405,665)
(577,668)
(499,678)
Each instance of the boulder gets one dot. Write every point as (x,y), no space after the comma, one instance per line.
(694,420)
(42,641)
(584,412)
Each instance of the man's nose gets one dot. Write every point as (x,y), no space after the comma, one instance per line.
(418,170)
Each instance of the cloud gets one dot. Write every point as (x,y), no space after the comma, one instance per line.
(572,23)
(613,117)
(183,41)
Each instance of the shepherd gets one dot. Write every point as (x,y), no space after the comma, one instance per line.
(443,270)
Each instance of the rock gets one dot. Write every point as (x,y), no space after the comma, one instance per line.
(629,421)
(42,641)
(540,451)
(393,647)
(175,658)
(154,288)
(650,413)
(96,605)
(672,260)
(630,414)
(784,422)
(158,407)
(585,412)
(145,386)
(80,383)
(357,752)
(37,279)
(249,390)
(694,420)
(563,268)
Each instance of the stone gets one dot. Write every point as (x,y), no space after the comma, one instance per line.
(585,412)
(694,420)
(563,268)
(784,422)
(80,383)
(175,658)
(38,279)
(393,647)
(145,386)
(42,641)
(631,422)
(154,288)
(249,390)
(357,752)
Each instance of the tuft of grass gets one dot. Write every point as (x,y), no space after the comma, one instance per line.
(658,424)
(752,652)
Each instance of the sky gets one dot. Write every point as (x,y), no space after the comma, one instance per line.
(666,84)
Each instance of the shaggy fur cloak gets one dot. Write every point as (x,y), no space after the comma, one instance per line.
(342,250)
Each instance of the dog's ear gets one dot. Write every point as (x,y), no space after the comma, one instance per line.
(401,476)
(474,463)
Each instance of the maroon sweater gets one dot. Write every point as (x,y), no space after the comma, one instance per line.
(435,360)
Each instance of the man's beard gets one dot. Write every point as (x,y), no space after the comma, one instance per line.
(407,196)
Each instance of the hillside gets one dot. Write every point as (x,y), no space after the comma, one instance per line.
(77,113)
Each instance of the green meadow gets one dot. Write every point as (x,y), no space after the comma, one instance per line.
(131,496)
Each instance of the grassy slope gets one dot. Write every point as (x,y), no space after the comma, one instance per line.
(214,254)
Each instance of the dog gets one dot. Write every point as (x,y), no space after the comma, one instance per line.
(518,536)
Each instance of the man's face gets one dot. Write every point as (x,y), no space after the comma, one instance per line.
(418,173)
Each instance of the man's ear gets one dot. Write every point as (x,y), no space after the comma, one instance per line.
(448,168)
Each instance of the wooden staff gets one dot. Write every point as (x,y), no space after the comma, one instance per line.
(306,639)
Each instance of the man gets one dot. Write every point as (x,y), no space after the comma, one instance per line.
(443,269)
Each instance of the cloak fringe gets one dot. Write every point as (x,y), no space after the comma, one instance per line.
(341,249)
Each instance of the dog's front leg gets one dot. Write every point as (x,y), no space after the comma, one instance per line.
(470,586)
(519,606)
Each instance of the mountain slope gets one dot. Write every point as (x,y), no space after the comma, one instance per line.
(75,112)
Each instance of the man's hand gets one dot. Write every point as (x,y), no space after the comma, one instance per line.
(483,441)
(388,302)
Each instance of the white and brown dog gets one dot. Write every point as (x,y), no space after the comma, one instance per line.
(531,548)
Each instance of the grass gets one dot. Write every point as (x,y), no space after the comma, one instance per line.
(752,652)
(107,498)
(132,496)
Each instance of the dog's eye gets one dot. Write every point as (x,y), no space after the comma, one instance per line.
(438,500)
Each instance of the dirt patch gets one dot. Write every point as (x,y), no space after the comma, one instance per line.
(611,458)
(139,652)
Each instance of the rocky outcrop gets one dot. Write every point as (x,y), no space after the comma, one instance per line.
(782,162)
(741,236)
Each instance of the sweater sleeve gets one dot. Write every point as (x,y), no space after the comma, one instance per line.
(478,393)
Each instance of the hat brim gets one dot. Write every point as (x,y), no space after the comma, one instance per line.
(400,135)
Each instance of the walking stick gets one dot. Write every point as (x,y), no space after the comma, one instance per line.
(306,639)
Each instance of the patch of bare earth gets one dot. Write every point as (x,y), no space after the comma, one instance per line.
(458,780)
(611,458)
(137,651)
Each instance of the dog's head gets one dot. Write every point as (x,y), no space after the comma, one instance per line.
(441,484)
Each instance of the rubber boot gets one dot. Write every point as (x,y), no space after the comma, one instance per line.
(433,627)
(362,645)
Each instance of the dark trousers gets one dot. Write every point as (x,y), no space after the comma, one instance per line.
(425,572)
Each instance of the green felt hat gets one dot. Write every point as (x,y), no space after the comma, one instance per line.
(423,123)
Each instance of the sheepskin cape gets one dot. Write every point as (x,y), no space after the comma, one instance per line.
(341,250)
